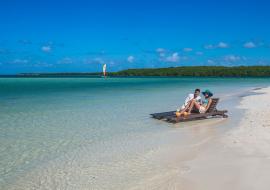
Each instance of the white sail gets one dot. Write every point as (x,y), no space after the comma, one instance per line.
(104,69)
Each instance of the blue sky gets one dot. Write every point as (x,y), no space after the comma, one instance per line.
(80,36)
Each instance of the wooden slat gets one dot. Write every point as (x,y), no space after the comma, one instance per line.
(213,104)
(170,113)
(174,119)
(171,117)
(162,115)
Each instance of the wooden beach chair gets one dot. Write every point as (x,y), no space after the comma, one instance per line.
(211,112)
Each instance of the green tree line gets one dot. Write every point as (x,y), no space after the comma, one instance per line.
(199,71)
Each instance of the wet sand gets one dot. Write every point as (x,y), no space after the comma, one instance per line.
(238,159)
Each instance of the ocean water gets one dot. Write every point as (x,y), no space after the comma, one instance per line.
(95,133)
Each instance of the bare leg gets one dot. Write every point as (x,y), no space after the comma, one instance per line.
(186,108)
(191,106)
(194,104)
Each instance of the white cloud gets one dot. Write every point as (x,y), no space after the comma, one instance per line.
(161,52)
(46,49)
(222,45)
(209,61)
(20,61)
(187,49)
(65,60)
(232,58)
(162,55)
(130,59)
(209,46)
(97,60)
(249,45)
(42,64)
(219,45)
(173,58)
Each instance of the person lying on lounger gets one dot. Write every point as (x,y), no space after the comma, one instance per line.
(195,96)
(200,107)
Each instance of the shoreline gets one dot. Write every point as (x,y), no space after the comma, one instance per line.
(254,131)
(186,153)
(159,157)
(238,159)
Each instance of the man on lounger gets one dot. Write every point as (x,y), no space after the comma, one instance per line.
(201,107)
(195,96)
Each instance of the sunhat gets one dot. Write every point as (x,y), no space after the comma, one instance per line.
(208,92)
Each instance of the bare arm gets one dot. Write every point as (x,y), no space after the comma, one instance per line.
(208,105)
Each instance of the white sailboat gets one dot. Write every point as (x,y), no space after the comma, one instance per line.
(104,70)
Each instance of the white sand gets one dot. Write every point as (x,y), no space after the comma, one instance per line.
(241,158)
(253,135)
(236,160)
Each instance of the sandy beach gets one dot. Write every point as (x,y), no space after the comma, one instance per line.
(90,93)
(134,151)
(238,159)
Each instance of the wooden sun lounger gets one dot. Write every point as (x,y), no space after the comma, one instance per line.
(211,112)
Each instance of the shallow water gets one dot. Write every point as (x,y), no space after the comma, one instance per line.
(77,133)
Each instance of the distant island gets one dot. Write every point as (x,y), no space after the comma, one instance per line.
(185,71)
(200,71)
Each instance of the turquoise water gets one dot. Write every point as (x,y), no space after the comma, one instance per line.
(52,125)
